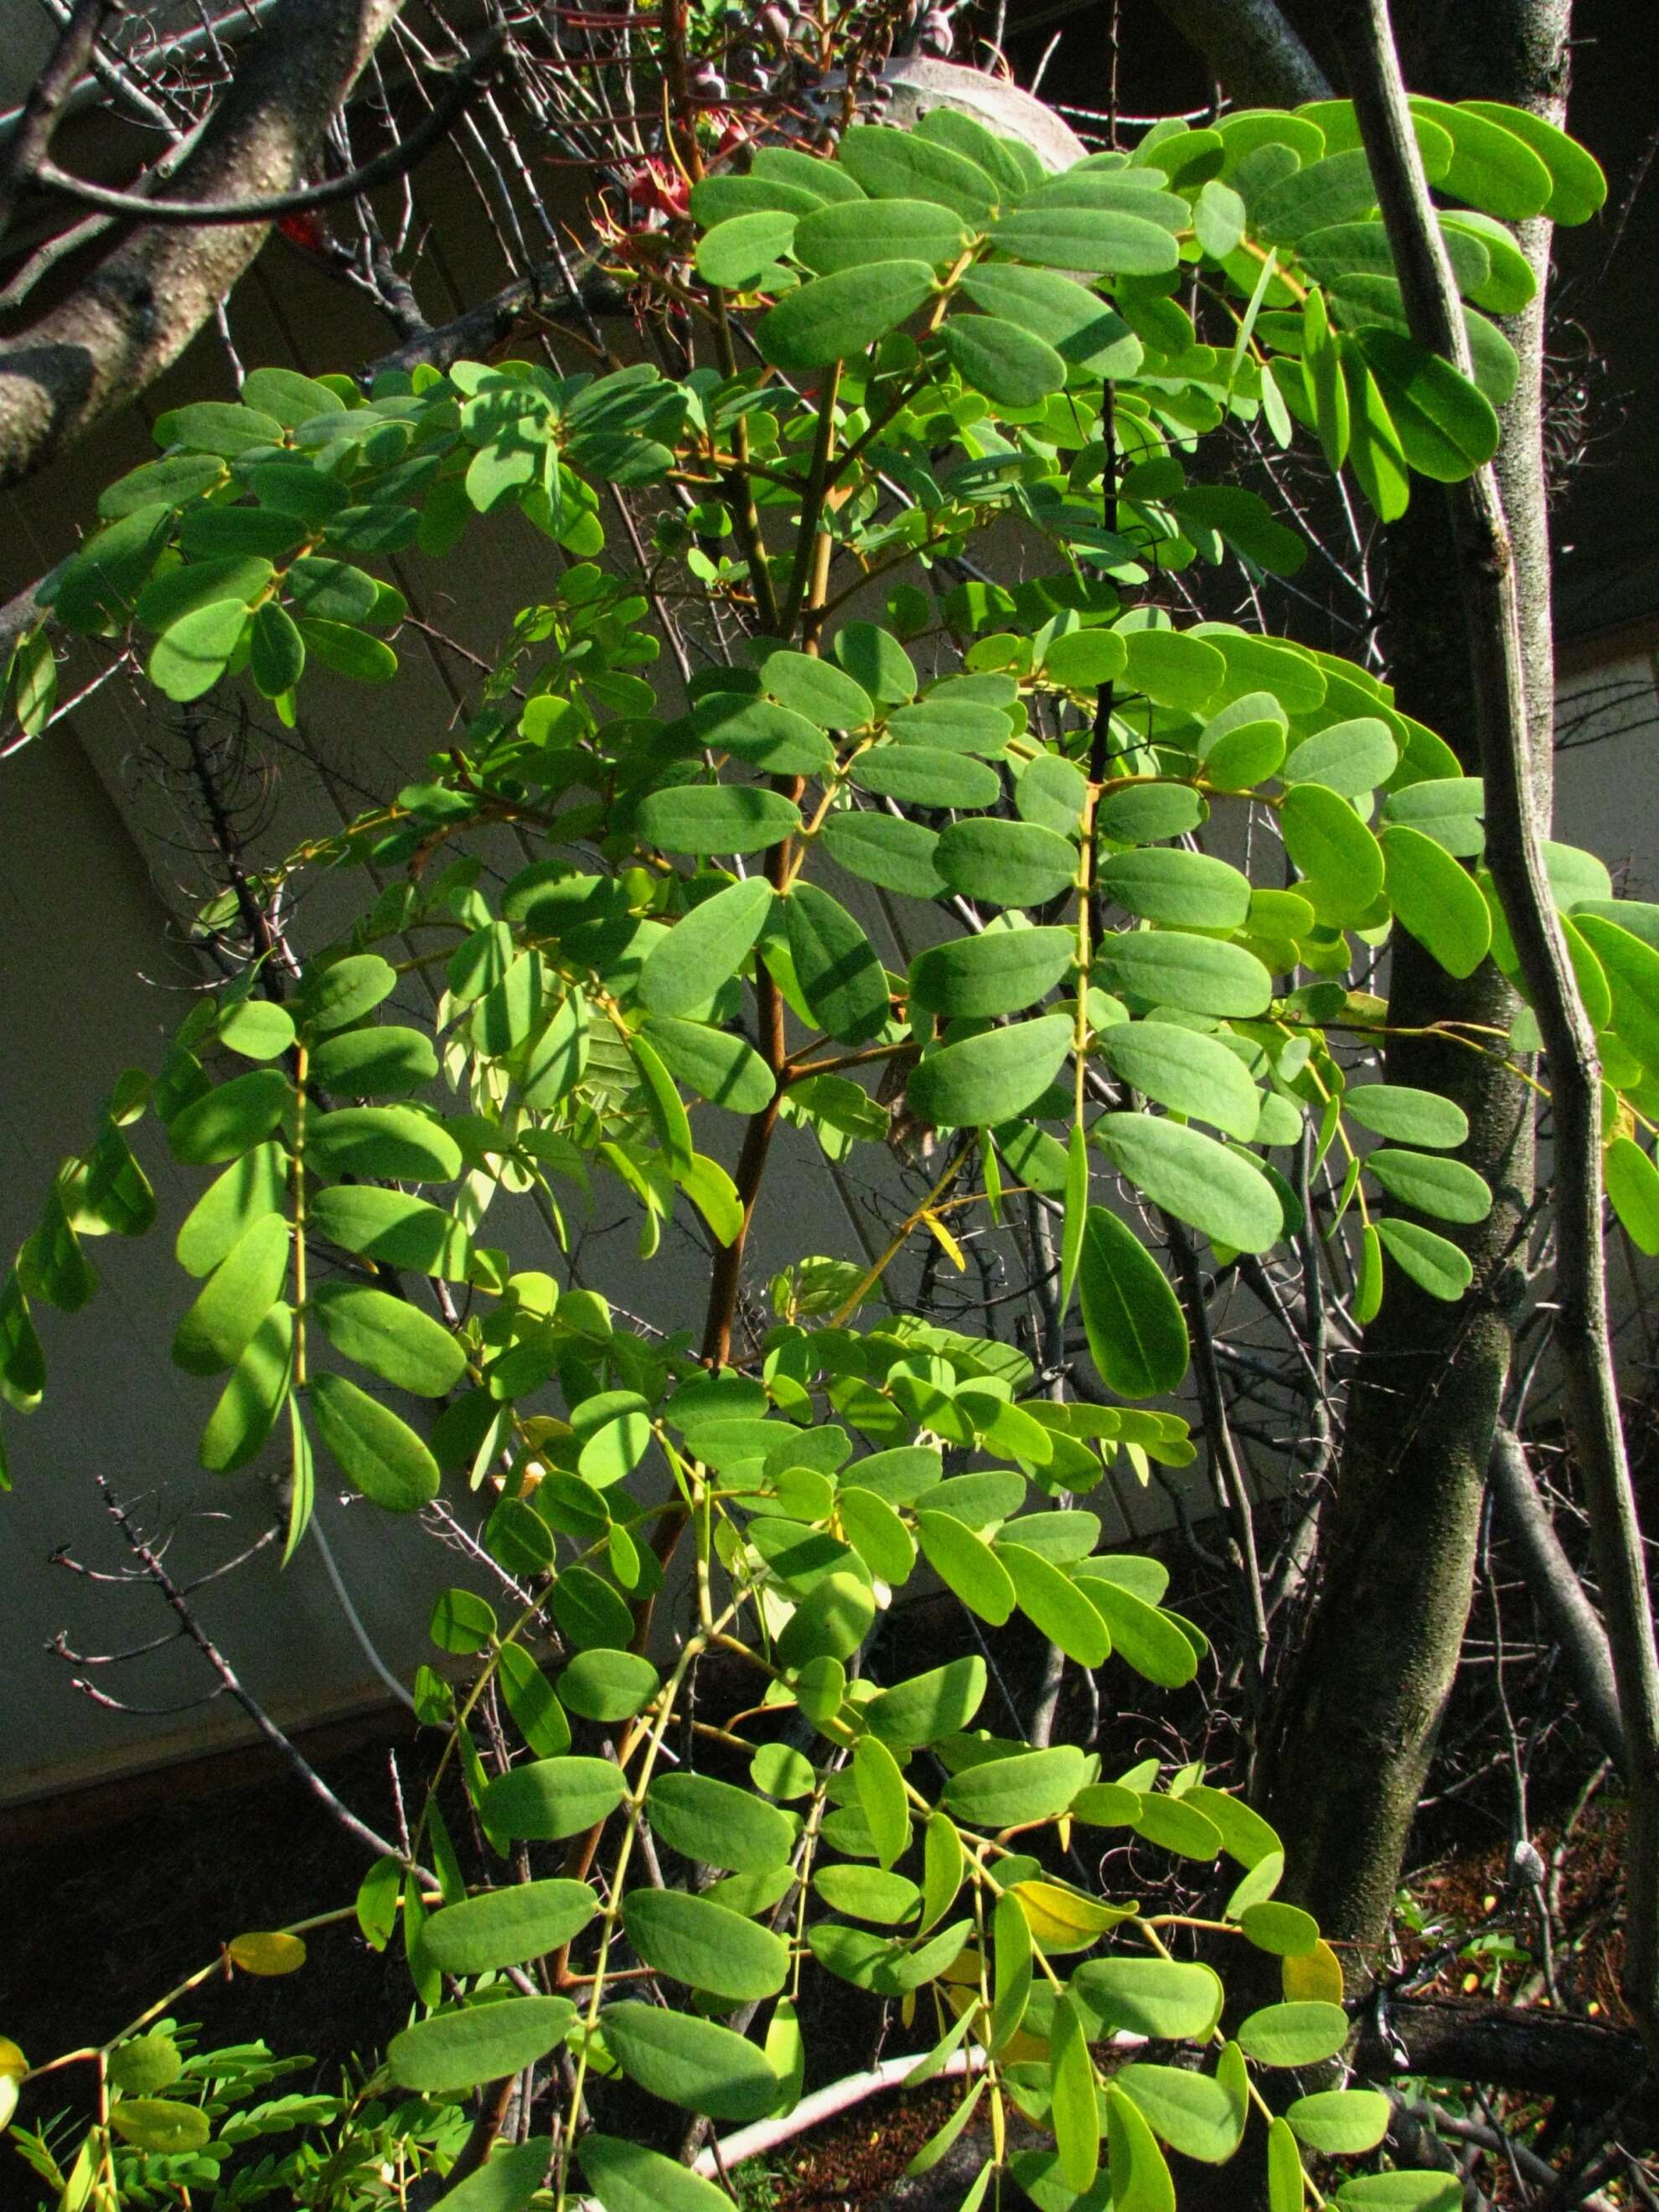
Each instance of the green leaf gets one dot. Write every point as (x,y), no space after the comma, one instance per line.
(881,1796)
(1159,1998)
(1633,1182)
(1137,1333)
(1086,332)
(393,1141)
(1192,2112)
(217,426)
(1285,2189)
(1375,452)
(1021,1791)
(1341,861)
(711,1821)
(893,164)
(925,776)
(854,232)
(876,1534)
(1448,1190)
(143,2064)
(1010,864)
(1283,1931)
(1433,1264)
(537,1713)
(349,652)
(257,1028)
(160,2125)
(1011,366)
(1141,2178)
(1325,385)
(390,1336)
(1173,668)
(718,1065)
(880,849)
(991,1077)
(1335,190)
(830,1621)
(928,1707)
(1073,2111)
(384,1061)
(1491,167)
(1346,757)
(253,1397)
(1578,187)
(1052,1603)
(507,2182)
(1199,975)
(607,1685)
(1086,659)
(967,1565)
(817,689)
(1001,971)
(1298,2034)
(831,317)
(763,733)
(343,992)
(549,1799)
(1438,901)
(231,1119)
(237,1296)
(1100,241)
(507,1927)
(459,2047)
(684,969)
(589,1612)
(1632,968)
(277,658)
(691,2062)
(1143,812)
(1189,890)
(391,1226)
(737,250)
(1185,1070)
(705,1945)
(1407,1116)
(1011,1948)
(1401,2192)
(1196,1179)
(877,661)
(1446,426)
(1342,2123)
(703,818)
(379,1453)
(1244,520)
(841,978)
(1146,1639)
(626,2177)
(718,199)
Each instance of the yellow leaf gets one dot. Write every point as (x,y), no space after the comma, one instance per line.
(953,1251)
(1314,1977)
(1062,1919)
(13,2065)
(267,1953)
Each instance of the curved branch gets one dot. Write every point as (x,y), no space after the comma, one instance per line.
(1252,49)
(267,207)
(145,300)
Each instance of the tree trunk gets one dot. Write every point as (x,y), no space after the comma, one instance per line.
(141,304)
(1355,1721)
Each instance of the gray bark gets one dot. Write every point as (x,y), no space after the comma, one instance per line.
(152,290)
(1253,50)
